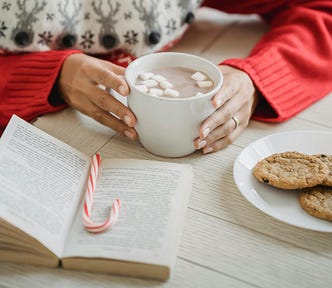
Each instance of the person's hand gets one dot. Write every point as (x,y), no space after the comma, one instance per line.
(237,98)
(78,83)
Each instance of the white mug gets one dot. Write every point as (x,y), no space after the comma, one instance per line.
(168,126)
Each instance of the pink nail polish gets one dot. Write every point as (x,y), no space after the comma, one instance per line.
(207,150)
(122,89)
(206,132)
(129,134)
(127,120)
(218,103)
(201,144)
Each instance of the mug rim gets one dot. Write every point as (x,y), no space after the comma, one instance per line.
(181,54)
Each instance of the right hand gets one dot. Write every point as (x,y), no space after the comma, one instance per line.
(78,84)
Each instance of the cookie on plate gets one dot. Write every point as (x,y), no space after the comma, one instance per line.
(327,159)
(291,170)
(317,201)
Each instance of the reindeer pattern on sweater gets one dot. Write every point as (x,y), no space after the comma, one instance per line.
(93,26)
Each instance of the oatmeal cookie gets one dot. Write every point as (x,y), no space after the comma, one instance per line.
(317,201)
(291,170)
(327,159)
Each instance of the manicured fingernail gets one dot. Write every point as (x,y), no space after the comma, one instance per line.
(218,103)
(123,89)
(201,144)
(127,120)
(206,132)
(207,150)
(129,134)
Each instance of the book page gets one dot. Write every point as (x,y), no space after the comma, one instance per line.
(42,180)
(154,198)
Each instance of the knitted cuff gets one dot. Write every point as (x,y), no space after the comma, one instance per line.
(32,81)
(283,94)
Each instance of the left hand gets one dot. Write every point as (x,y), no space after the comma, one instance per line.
(236,98)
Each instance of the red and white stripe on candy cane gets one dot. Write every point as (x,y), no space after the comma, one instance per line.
(88,202)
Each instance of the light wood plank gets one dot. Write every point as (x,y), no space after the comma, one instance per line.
(75,129)
(237,41)
(320,112)
(186,275)
(245,254)
(257,129)
(209,25)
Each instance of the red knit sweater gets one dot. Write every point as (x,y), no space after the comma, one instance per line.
(290,65)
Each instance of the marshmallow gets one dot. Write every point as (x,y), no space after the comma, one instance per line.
(198,76)
(156,92)
(159,78)
(204,84)
(165,84)
(145,75)
(198,94)
(150,83)
(142,88)
(171,92)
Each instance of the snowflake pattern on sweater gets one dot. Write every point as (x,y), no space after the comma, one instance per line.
(93,26)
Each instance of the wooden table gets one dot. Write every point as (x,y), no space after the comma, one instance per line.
(226,241)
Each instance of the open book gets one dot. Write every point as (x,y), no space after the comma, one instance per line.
(43,184)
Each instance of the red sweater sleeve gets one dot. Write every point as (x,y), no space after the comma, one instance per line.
(25,83)
(291,64)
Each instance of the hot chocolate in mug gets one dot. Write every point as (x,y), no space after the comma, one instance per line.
(168,126)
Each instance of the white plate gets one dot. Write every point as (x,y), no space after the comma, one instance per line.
(278,203)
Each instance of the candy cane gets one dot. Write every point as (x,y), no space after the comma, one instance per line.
(88,202)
